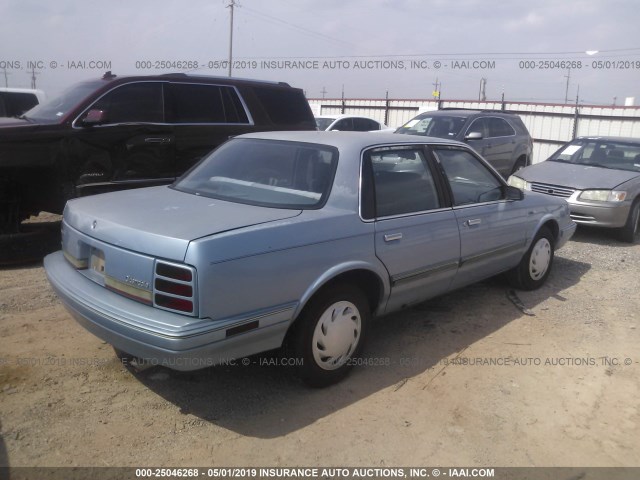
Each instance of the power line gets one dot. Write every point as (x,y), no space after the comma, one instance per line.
(295,27)
(461,55)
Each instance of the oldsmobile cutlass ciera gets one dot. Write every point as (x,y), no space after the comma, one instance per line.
(296,239)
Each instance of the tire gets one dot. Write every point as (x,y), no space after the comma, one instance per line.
(535,266)
(629,233)
(329,334)
(519,165)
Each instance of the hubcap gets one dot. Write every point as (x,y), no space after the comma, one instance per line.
(336,335)
(540,259)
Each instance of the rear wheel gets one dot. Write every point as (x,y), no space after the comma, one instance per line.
(535,266)
(330,334)
(629,233)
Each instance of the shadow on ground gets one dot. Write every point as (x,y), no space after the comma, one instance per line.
(263,400)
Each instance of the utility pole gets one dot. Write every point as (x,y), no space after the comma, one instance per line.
(232,4)
(566,90)
(482,95)
(33,78)
(436,91)
(6,79)
(323,92)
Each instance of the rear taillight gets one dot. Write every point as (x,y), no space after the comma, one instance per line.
(174,287)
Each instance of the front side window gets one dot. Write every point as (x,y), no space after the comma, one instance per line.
(479,125)
(365,125)
(266,173)
(397,181)
(324,122)
(471,182)
(344,125)
(139,102)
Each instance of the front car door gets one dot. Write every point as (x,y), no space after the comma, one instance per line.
(492,228)
(131,146)
(416,234)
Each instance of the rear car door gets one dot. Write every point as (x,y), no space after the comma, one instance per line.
(501,145)
(416,236)
(132,145)
(492,227)
(203,117)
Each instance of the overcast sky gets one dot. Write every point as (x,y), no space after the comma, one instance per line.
(367,47)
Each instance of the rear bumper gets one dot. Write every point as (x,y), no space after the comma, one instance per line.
(159,337)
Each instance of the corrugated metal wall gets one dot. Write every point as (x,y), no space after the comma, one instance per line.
(550,125)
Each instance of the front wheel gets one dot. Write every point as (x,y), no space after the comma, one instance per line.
(330,334)
(519,165)
(629,232)
(535,266)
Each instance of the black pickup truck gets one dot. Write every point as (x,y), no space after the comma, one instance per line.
(118,133)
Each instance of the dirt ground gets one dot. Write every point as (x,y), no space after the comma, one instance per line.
(475,378)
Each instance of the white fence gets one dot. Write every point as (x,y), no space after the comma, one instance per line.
(550,125)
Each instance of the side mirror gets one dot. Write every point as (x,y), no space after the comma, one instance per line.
(513,193)
(94,117)
(474,136)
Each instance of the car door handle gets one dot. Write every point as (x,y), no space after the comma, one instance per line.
(471,223)
(157,140)
(392,237)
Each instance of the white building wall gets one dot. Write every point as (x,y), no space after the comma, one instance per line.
(548,124)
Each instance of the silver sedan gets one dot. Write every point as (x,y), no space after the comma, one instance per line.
(296,239)
(598,176)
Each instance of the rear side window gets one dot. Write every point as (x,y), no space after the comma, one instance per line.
(134,102)
(499,128)
(198,103)
(397,182)
(285,106)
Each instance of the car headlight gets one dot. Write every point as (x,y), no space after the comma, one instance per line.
(518,183)
(603,195)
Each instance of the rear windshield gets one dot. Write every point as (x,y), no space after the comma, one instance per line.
(265,172)
(600,153)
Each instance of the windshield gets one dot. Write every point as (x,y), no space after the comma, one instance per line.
(268,173)
(54,110)
(441,126)
(323,123)
(600,153)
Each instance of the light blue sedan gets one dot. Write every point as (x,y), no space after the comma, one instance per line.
(296,239)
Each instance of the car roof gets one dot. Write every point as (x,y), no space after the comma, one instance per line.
(461,112)
(187,77)
(610,139)
(342,115)
(359,140)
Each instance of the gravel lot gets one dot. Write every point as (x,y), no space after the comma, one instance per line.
(479,377)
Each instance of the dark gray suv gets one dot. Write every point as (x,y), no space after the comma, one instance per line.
(500,137)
